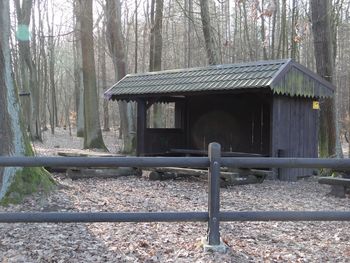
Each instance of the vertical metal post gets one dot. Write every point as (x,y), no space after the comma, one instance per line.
(214,155)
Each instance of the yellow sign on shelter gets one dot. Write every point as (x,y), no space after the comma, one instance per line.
(315,105)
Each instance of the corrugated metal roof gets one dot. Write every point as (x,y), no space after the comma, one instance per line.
(284,77)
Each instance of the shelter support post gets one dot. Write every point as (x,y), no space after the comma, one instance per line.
(213,241)
(141,126)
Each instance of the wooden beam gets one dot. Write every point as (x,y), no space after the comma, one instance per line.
(339,185)
(334,181)
(224,154)
(85,173)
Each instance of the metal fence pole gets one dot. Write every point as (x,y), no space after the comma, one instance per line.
(214,155)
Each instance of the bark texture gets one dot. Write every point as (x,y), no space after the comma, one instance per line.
(208,33)
(78,72)
(92,129)
(155,60)
(23,11)
(325,67)
(15,182)
(116,48)
(102,54)
(156,41)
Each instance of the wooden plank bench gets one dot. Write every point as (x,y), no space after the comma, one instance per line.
(339,185)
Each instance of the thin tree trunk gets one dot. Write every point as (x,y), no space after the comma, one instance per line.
(102,52)
(51,52)
(282,43)
(78,72)
(273,33)
(190,33)
(246,30)
(294,43)
(156,53)
(43,71)
(136,37)
(262,31)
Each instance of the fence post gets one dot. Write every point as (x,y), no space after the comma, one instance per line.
(213,242)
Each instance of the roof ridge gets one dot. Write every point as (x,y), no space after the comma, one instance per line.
(211,67)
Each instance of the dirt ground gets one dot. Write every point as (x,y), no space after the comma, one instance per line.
(172,242)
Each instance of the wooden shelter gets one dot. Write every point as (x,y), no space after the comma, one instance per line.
(267,108)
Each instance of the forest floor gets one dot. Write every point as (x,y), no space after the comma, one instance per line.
(172,242)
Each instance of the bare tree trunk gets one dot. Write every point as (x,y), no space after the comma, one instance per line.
(325,67)
(51,52)
(156,36)
(116,48)
(136,36)
(208,33)
(262,31)
(156,52)
(294,43)
(235,32)
(78,73)
(92,130)
(53,101)
(283,42)
(246,30)
(43,70)
(190,33)
(14,141)
(273,30)
(102,52)
(23,17)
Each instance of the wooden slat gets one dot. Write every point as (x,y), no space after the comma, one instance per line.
(85,153)
(101,173)
(334,181)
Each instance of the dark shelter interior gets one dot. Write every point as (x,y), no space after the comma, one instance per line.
(239,122)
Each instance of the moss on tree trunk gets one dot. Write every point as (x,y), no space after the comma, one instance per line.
(27,181)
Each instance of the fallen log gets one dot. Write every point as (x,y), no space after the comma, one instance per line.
(85,173)
(85,153)
(227,178)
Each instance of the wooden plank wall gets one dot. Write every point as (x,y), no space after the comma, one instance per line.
(294,132)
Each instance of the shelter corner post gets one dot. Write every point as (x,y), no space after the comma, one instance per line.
(141,126)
